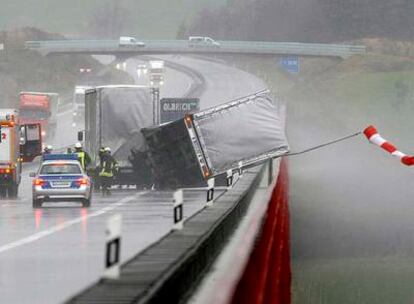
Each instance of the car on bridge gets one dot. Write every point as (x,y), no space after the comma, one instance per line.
(202,42)
(130,42)
(61,178)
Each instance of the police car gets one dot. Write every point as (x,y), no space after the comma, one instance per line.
(61,178)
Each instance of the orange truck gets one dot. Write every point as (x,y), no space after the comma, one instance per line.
(40,108)
(18,143)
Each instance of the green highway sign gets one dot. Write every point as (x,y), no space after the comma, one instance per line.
(175,108)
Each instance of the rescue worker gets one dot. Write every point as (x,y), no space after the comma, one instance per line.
(100,154)
(83,156)
(97,170)
(108,169)
(48,149)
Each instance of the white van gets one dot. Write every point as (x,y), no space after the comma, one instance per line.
(199,41)
(130,41)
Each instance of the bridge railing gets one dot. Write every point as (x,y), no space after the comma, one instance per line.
(296,48)
(70,44)
(257,47)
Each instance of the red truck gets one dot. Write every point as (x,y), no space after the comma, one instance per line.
(39,108)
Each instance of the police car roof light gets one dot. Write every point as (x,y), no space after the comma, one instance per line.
(60,157)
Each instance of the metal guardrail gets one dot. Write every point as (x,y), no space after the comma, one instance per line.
(183,46)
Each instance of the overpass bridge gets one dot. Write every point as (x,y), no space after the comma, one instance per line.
(112,47)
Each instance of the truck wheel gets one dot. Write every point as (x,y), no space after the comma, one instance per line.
(37,203)
(86,203)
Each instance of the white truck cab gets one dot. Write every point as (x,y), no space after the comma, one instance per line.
(125,41)
(78,105)
(10,164)
(200,41)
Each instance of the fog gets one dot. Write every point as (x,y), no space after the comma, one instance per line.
(349,199)
(351,203)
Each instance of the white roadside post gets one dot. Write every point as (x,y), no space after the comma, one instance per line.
(270,172)
(229,178)
(210,192)
(113,247)
(240,169)
(178,210)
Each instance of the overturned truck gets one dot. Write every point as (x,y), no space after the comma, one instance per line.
(238,134)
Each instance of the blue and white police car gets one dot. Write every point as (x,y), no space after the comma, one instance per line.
(61,178)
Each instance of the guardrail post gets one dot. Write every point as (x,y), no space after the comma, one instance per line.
(113,247)
(210,191)
(270,172)
(178,210)
(229,178)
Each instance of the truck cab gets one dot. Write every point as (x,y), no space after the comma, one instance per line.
(78,105)
(15,147)
(30,142)
(10,166)
(156,73)
(39,107)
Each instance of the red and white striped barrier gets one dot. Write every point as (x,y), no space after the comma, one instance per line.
(372,134)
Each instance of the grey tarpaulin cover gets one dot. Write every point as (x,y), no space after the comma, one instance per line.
(124,111)
(247,130)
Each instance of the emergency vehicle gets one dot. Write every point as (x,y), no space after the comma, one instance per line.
(10,166)
(61,178)
(18,143)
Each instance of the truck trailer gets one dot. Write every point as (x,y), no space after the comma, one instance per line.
(114,116)
(232,136)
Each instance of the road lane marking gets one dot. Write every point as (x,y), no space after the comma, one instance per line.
(44,233)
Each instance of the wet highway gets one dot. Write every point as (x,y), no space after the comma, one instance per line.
(49,254)
(223,83)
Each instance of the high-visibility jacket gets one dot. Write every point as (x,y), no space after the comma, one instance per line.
(84,159)
(108,167)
